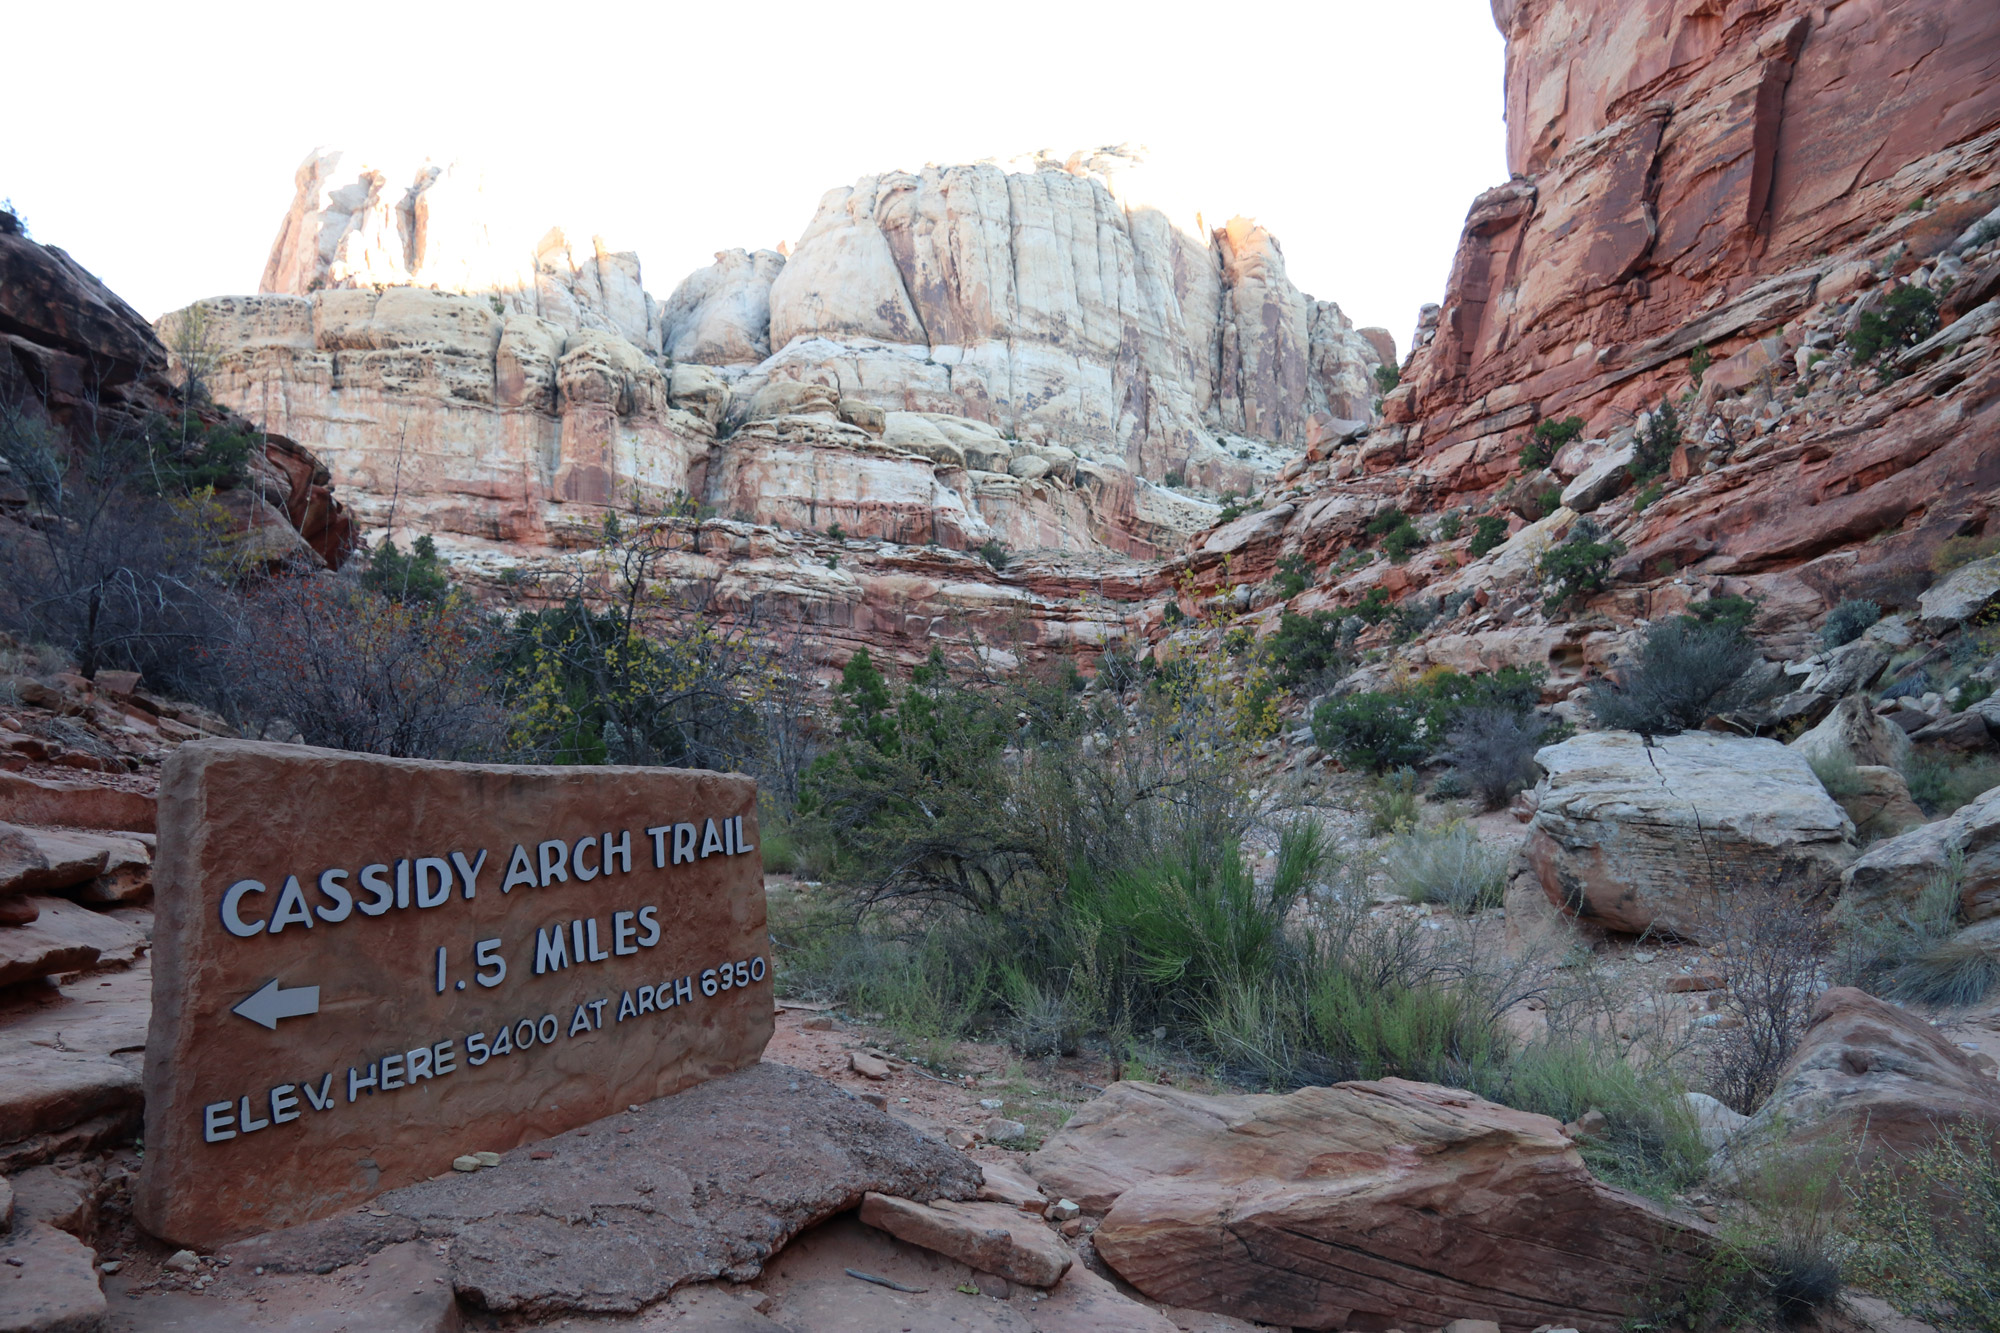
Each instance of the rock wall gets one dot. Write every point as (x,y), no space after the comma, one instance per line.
(1705,202)
(75,355)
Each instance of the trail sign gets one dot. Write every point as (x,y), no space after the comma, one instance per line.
(365,967)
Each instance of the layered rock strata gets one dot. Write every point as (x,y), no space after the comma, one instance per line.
(960,356)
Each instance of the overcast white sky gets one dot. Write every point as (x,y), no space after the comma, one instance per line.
(157,142)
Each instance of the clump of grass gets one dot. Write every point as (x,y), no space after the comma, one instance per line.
(1449,866)
(1911,953)
(1941,784)
(1392,802)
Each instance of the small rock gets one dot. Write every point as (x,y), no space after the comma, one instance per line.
(1001,1130)
(111,1265)
(183,1261)
(1640,956)
(984,1236)
(1587,1126)
(465,1163)
(1073,1227)
(991,1103)
(1062,1210)
(818,1023)
(487,1158)
(867,1065)
(540,1155)
(1694,981)
(992,1284)
(1471,1326)
(877,1100)
(760,1301)
(961,1139)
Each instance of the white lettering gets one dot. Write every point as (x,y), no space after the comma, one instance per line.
(232,901)
(645,999)
(444,1056)
(622,850)
(555,861)
(375,879)
(477,1052)
(597,1011)
(709,985)
(418,1062)
(622,932)
(216,1119)
(520,870)
(343,901)
(486,953)
(292,909)
(243,1118)
(711,841)
(392,1072)
(659,837)
(684,990)
(468,871)
(354,1085)
(429,894)
(597,955)
(403,883)
(551,951)
(741,844)
(626,1009)
(580,1022)
(284,1105)
(684,836)
(546,1029)
(649,925)
(576,859)
(322,1096)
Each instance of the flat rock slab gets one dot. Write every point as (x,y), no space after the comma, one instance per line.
(990,1237)
(70,1062)
(64,937)
(810,1288)
(404,1289)
(48,1283)
(705,1184)
(26,800)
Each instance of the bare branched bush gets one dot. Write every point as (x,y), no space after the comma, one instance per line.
(1773,938)
(1493,751)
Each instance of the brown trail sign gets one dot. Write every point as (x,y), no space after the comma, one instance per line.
(366,967)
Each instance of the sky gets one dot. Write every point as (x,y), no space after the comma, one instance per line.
(1357,133)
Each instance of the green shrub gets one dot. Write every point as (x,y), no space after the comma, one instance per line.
(1374,607)
(1579,564)
(1699,361)
(1449,866)
(1848,622)
(1371,730)
(1728,610)
(1656,443)
(1973,692)
(1651,492)
(1401,542)
(1294,576)
(1909,314)
(1174,480)
(1387,377)
(1651,1141)
(1547,440)
(1306,649)
(1233,508)
(836,533)
(187,456)
(1392,802)
(1928,1227)
(1684,674)
(1488,531)
(1450,525)
(993,553)
(420,576)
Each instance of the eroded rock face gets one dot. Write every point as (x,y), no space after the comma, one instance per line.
(1383,1204)
(1868,1078)
(1895,871)
(1636,837)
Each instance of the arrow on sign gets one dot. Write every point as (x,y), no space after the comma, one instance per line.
(270,1004)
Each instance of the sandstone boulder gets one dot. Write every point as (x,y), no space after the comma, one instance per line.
(1370,1205)
(1868,1077)
(1894,872)
(26,800)
(1880,803)
(1632,837)
(1600,481)
(990,1237)
(721,315)
(1960,595)
(1854,730)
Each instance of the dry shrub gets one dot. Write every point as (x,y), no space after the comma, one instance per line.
(1773,936)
